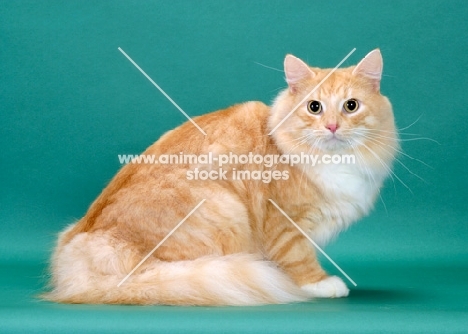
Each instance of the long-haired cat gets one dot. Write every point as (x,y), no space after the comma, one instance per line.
(237,248)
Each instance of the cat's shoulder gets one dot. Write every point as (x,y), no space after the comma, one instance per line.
(256,106)
(245,116)
(241,120)
(248,109)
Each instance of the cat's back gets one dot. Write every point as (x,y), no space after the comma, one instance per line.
(239,128)
(236,128)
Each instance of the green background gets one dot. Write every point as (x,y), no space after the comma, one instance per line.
(70,102)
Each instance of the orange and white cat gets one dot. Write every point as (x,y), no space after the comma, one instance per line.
(237,248)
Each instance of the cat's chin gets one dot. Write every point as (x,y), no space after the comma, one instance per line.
(334,145)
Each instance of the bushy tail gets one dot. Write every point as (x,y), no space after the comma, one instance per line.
(237,279)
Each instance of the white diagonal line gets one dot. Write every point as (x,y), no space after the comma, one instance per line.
(312,91)
(313,242)
(162,91)
(160,243)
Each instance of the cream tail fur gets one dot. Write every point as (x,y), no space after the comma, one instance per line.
(89,268)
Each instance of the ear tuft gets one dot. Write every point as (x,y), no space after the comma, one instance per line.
(296,71)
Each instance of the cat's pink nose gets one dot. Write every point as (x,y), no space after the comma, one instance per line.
(332,127)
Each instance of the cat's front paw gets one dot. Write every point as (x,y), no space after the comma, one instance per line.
(329,287)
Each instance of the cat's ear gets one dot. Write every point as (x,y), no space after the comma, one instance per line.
(371,67)
(296,71)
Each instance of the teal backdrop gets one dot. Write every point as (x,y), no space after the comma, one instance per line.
(70,102)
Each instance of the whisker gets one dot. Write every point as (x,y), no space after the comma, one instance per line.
(422,138)
(396,149)
(276,89)
(387,167)
(403,139)
(407,127)
(271,68)
(386,131)
(399,161)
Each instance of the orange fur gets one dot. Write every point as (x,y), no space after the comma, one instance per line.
(237,248)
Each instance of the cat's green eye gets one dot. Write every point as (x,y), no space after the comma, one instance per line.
(350,106)
(314,107)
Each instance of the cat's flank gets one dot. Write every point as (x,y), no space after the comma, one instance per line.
(237,248)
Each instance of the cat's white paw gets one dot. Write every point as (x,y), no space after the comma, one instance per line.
(329,287)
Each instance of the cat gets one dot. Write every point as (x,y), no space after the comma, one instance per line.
(237,248)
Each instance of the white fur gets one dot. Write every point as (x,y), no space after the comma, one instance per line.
(90,266)
(329,287)
(350,194)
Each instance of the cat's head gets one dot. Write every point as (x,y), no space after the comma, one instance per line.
(340,112)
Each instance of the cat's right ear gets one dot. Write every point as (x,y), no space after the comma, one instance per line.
(296,71)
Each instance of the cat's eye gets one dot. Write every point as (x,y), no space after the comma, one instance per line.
(314,107)
(350,106)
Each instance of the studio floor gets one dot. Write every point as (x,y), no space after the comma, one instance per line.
(390,298)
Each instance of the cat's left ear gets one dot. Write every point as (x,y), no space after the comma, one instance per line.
(296,71)
(371,67)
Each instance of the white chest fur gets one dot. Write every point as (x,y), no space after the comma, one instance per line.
(349,192)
